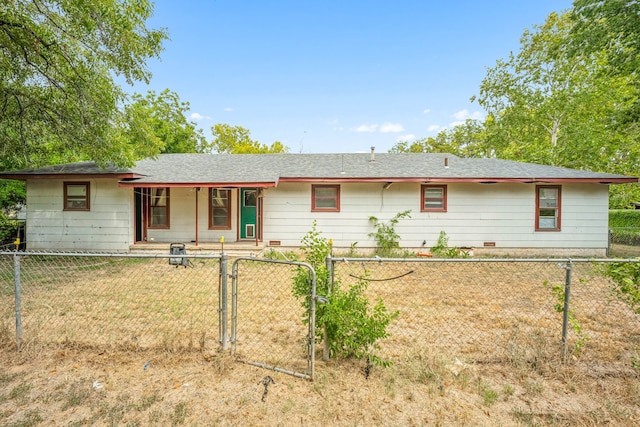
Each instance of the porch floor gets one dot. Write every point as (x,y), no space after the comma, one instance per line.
(243,248)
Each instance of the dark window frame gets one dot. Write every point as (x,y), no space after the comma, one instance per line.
(166,207)
(86,198)
(557,208)
(212,226)
(315,198)
(443,208)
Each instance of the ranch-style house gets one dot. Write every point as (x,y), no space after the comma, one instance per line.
(490,206)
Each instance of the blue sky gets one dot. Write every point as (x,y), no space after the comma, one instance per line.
(336,76)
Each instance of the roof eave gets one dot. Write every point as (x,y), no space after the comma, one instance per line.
(481,180)
(132,184)
(26,176)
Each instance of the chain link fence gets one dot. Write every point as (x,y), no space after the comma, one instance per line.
(477,310)
(110,301)
(495,311)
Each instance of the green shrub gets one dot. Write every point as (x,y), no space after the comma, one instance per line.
(347,321)
(386,236)
(625,226)
(626,282)
(442,249)
(624,218)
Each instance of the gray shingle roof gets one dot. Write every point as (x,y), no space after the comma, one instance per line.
(272,168)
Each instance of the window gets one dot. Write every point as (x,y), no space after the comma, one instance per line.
(219,211)
(250,197)
(325,198)
(76,196)
(548,208)
(433,198)
(159,208)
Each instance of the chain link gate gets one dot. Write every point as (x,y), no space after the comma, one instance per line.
(123,301)
(270,328)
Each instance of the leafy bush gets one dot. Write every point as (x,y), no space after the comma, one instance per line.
(625,226)
(626,282)
(385,235)
(624,218)
(347,321)
(442,249)
(8,229)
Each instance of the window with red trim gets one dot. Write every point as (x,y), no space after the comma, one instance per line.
(548,208)
(433,198)
(76,196)
(159,208)
(219,209)
(325,198)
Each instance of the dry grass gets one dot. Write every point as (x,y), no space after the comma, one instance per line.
(475,345)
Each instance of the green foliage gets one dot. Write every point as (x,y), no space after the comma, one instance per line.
(347,321)
(464,140)
(549,107)
(8,229)
(161,118)
(625,218)
(385,235)
(353,326)
(237,140)
(442,249)
(625,226)
(626,282)
(57,78)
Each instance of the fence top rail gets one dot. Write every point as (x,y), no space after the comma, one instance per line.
(274,261)
(485,260)
(112,255)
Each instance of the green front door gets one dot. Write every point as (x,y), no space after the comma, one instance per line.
(248,213)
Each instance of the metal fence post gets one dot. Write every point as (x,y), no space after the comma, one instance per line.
(565,314)
(18,299)
(326,349)
(224,333)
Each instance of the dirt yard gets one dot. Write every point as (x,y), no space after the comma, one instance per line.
(480,347)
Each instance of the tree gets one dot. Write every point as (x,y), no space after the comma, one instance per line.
(237,140)
(161,118)
(58,63)
(548,106)
(612,26)
(464,140)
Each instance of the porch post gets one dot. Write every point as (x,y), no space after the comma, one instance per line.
(197,192)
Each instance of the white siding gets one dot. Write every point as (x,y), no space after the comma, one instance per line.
(476,213)
(108,226)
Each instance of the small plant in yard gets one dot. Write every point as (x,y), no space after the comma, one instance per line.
(386,236)
(347,321)
(442,249)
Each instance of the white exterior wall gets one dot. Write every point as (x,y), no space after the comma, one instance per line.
(476,213)
(182,218)
(108,226)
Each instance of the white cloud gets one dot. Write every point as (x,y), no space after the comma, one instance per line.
(463,115)
(426,111)
(365,128)
(386,127)
(434,128)
(391,127)
(408,137)
(228,109)
(198,117)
